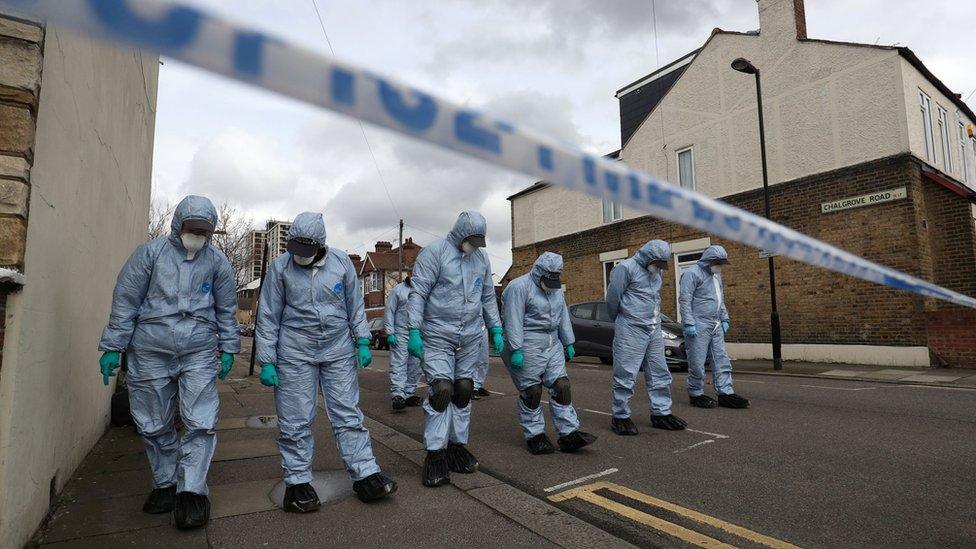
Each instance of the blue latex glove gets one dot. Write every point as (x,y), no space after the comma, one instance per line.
(363,356)
(269,376)
(391,340)
(415,346)
(518,359)
(497,339)
(691,330)
(570,352)
(226,363)
(108,363)
(725,325)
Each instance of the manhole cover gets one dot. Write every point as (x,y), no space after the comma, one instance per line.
(262,422)
(329,485)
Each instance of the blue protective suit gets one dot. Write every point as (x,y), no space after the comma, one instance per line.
(481,370)
(308,321)
(453,294)
(701,303)
(171,315)
(404,367)
(537,321)
(634,305)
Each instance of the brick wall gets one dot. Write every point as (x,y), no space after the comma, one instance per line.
(816,306)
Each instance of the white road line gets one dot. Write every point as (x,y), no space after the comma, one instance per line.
(748,381)
(716,435)
(839,388)
(581,479)
(495,392)
(695,445)
(597,412)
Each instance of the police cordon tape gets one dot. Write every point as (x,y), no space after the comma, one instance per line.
(253,57)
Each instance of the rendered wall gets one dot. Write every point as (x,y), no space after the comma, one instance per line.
(89,203)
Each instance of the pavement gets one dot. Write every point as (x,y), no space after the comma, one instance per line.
(821,459)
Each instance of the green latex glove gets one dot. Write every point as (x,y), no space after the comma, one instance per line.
(108,363)
(518,359)
(497,339)
(391,340)
(570,352)
(269,376)
(226,363)
(415,345)
(363,356)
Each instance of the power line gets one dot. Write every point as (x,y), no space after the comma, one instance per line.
(421,229)
(362,129)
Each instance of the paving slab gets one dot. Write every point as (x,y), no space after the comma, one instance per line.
(113,463)
(331,486)
(224,388)
(100,516)
(108,485)
(391,438)
(165,537)
(120,440)
(929,378)
(241,498)
(244,449)
(888,374)
(228,423)
(842,373)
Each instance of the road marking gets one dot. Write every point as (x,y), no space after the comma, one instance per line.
(597,412)
(495,392)
(839,388)
(581,479)
(716,435)
(749,381)
(587,493)
(709,441)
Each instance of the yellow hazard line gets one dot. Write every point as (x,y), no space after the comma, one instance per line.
(586,493)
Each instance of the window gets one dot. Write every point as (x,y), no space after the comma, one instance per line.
(584,311)
(963,157)
(612,211)
(374,282)
(925,103)
(686,169)
(601,314)
(944,137)
(607,267)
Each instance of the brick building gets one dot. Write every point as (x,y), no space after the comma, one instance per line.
(843,121)
(378,272)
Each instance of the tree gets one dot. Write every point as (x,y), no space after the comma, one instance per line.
(233,238)
(160,215)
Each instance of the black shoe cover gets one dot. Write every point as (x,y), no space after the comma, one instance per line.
(191,510)
(483,392)
(669,422)
(399,403)
(460,460)
(300,498)
(574,441)
(623,426)
(540,444)
(414,401)
(436,471)
(732,401)
(160,501)
(702,401)
(374,487)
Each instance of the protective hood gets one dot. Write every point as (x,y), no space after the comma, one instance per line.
(713,253)
(468,223)
(191,207)
(652,252)
(548,262)
(308,225)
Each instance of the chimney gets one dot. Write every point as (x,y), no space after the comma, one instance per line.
(782,18)
(383,246)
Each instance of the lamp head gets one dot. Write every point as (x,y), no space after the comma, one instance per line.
(742,64)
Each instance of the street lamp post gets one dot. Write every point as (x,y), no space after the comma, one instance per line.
(744,66)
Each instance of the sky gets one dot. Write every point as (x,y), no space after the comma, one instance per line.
(549,65)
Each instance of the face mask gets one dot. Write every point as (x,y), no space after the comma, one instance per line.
(717,269)
(653,269)
(303,261)
(467,247)
(193,243)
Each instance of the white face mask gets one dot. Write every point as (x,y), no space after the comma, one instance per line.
(467,247)
(193,243)
(716,269)
(303,261)
(653,269)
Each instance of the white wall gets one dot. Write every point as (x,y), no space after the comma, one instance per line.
(89,206)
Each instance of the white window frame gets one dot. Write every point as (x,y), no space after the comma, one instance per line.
(374,282)
(925,104)
(606,277)
(614,209)
(944,137)
(677,158)
(963,157)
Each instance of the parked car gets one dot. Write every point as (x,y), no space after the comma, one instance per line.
(246,330)
(377,334)
(594,335)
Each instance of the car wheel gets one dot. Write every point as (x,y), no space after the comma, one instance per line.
(606,360)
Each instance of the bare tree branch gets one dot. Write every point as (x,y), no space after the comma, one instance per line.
(231,238)
(160,215)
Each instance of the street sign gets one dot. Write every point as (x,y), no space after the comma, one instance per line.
(764,253)
(864,200)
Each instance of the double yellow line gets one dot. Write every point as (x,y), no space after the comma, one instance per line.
(588,494)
